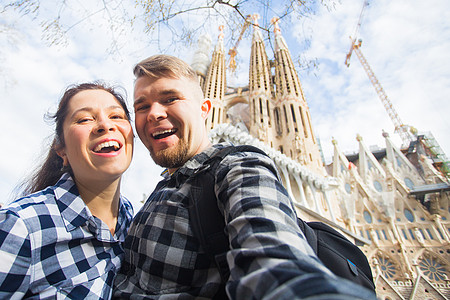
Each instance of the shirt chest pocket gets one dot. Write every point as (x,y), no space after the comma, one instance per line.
(94,284)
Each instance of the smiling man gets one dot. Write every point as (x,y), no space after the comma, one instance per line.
(170,117)
(268,258)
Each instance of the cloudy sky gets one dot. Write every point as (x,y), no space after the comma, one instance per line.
(406,42)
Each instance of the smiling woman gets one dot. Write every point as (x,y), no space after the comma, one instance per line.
(65,237)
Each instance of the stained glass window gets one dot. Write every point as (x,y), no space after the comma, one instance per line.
(367,217)
(377,185)
(408,215)
(431,268)
(348,188)
(387,267)
(409,183)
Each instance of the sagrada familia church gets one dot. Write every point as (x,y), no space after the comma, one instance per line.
(394,203)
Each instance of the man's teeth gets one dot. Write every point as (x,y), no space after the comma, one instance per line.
(163,132)
(108,144)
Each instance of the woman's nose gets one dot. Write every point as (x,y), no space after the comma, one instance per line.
(104,124)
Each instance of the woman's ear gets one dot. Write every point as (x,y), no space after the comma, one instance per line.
(206,107)
(62,153)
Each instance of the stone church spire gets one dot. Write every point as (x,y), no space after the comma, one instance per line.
(291,113)
(215,83)
(260,78)
(260,88)
(200,61)
(286,77)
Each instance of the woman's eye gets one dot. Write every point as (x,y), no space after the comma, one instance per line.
(83,120)
(117,117)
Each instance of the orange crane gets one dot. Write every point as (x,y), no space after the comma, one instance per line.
(355,34)
(403,130)
(233,51)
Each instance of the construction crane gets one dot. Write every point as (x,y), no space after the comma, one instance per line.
(403,130)
(400,128)
(355,33)
(233,51)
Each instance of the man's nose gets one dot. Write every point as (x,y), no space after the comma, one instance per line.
(157,112)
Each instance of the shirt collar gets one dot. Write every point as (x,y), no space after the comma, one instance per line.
(196,162)
(73,209)
(75,213)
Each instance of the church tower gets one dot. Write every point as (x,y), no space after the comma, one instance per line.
(214,86)
(260,89)
(200,61)
(291,113)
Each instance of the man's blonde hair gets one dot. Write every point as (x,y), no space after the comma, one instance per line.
(162,65)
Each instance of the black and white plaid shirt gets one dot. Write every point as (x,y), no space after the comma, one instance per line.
(269,255)
(51,247)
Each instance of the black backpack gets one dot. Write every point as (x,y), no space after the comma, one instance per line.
(335,251)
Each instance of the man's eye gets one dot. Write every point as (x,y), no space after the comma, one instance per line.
(170,100)
(141,108)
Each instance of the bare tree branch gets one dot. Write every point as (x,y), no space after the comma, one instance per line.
(157,17)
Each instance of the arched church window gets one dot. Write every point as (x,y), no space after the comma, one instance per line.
(348,188)
(408,215)
(286,119)
(377,185)
(278,126)
(213,114)
(261,112)
(399,161)
(367,217)
(294,118)
(409,183)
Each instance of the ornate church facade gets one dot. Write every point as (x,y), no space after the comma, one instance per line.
(393,203)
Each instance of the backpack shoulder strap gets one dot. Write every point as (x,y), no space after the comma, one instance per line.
(206,220)
(309,233)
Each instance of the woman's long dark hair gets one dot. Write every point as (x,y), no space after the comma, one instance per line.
(52,168)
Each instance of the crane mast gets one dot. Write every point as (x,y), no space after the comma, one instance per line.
(233,51)
(355,33)
(400,128)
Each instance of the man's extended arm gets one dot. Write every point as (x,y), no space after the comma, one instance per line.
(269,256)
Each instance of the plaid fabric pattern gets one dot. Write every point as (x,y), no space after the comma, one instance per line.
(269,256)
(52,247)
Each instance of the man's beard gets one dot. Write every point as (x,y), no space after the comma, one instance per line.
(173,157)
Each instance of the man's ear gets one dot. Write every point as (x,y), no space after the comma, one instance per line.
(206,107)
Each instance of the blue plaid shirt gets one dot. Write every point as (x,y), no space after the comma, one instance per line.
(269,256)
(52,247)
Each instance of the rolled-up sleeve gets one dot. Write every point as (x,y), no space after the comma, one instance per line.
(15,253)
(269,257)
